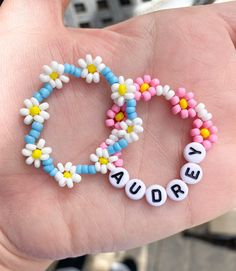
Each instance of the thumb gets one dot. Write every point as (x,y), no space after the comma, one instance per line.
(31,12)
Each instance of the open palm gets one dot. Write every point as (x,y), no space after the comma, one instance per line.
(187,47)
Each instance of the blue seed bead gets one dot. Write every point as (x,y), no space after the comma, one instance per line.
(37,126)
(117,147)
(48,168)
(132,116)
(131,103)
(105,71)
(29,139)
(47,162)
(53,172)
(72,69)
(92,169)
(130,109)
(67,68)
(77,72)
(84,169)
(34,133)
(38,97)
(78,169)
(45,93)
(109,76)
(113,80)
(111,150)
(48,87)
(123,143)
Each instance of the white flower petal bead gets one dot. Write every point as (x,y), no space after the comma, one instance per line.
(135,189)
(177,190)
(36,153)
(156,195)
(66,175)
(54,75)
(123,90)
(119,177)
(91,68)
(191,173)
(194,152)
(34,111)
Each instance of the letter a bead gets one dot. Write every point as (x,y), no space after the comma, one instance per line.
(119,177)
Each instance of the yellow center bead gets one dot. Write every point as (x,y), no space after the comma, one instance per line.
(67,175)
(144,87)
(34,110)
(119,116)
(122,89)
(92,68)
(36,154)
(183,103)
(205,133)
(103,161)
(54,75)
(130,129)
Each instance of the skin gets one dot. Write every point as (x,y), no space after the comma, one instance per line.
(41,222)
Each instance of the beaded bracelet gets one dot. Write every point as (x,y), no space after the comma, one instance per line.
(126,127)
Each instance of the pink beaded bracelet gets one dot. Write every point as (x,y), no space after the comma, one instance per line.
(126,126)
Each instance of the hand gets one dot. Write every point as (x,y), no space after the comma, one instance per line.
(193,47)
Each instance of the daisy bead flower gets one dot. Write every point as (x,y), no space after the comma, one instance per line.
(34,111)
(115,115)
(91,68)
(123,90)
(145,87)
(183,103)
(103,161)
(67,175)
(130,129)
(204,132)
(36,153)
(54,75)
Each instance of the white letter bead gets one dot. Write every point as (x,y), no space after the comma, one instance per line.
(194,152)
(135,189)
(191,173)
(156,195)
(119,177)
(177,190)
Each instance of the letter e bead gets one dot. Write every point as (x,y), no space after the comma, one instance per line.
(191,173)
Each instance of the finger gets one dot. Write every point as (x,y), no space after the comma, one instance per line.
(32,11)
(227,11)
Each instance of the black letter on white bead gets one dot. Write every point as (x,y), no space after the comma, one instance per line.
(135,189)
(191,173)
(119,177)
(156,195)
(194,152)
(177,190)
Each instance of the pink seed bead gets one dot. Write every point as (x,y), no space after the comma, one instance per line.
(195,132)
(152,90)
(184,114)
(119,163)
(198,139)
(213,129)
(146,96)
(154,82)
(109,122)
(139,80)
(180,92)
(174,100)
(110,113)
(192,113)
(115,108)
(197,123)
(137,95)
(147,78)
(213,138)
(176,109)
(207,144)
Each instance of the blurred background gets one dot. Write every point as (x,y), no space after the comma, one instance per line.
(211,246)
